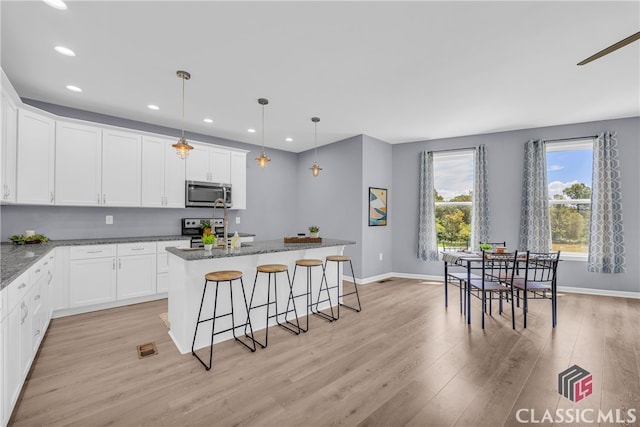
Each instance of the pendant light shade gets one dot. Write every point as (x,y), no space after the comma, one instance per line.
(315,169)
(263,159)
(182,146)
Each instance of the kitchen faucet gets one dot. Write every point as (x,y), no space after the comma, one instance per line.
(225,221)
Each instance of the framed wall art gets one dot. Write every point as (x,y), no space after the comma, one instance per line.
(377,206)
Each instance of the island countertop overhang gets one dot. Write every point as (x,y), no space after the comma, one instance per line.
(253,248)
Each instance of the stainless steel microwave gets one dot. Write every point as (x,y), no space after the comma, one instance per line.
(200,194)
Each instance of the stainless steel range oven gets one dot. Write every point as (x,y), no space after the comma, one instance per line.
(192,227)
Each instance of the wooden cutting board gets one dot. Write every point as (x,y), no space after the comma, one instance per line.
(303,239)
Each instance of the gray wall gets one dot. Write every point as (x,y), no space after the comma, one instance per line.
(505,152)
(376,172)
(333,199)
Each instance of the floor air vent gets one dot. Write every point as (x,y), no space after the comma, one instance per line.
(147,350)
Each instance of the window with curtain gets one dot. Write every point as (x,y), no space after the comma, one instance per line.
(453,200)
(453,193)
(569,174)
(583,209)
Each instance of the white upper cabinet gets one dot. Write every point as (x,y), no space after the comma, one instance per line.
(239,179)
(163,174)
(209,163)
(121,168)
(78,165)
(36,153)
(9,149)
(198,163)
(220,165)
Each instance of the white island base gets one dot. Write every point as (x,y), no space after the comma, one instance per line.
(186,281)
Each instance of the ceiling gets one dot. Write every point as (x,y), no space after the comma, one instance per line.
(396,71)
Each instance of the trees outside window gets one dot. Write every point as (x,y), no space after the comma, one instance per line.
(569,169)
(453,176)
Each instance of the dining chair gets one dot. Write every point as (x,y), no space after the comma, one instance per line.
(497,277)
(539,282)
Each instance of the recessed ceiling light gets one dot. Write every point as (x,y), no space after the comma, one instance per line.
(251,130)
(207,120)
(153,107)
(288,139)
(56,4)
(73,88)
(64,51)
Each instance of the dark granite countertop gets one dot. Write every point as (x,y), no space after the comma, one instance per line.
(16,259)
(254,248)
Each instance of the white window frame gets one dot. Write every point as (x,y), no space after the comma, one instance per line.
(581,144)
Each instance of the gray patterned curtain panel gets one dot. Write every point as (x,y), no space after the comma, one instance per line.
(606,240)
(427,236)
(535,225)
(480,225)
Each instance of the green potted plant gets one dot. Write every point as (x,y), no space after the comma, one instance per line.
(314,230)
(486,247)
(208,240)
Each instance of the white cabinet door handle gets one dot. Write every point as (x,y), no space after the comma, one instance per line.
(120,264)
(52,197)
(98,198)
(137,249)
(26,312)
(94,252)
(114,263)
(22,286)
(104,199)
(36,298)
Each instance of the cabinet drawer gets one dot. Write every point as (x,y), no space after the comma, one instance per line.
(92,251)
(38,270)
(125,249)
(19,288)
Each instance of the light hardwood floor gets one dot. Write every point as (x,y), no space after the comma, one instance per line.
(404,360)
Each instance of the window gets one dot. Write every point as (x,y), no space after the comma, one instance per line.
(569,169)
(453,181)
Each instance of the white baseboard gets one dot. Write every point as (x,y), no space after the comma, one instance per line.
(384,276)
(600,292)
(567,289)
(113,304)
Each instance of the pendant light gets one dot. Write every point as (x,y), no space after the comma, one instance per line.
(263,159)
(315,169)
(182,146)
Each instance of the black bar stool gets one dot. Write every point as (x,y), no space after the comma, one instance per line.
(342,259)
(217,277)
(274,269)
(309,264)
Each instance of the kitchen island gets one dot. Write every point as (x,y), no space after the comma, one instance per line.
(187,268)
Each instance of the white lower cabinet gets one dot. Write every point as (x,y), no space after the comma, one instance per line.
(92,275)
(162,284)
(102,274)
(11,362)
(24,319)
(136,270)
